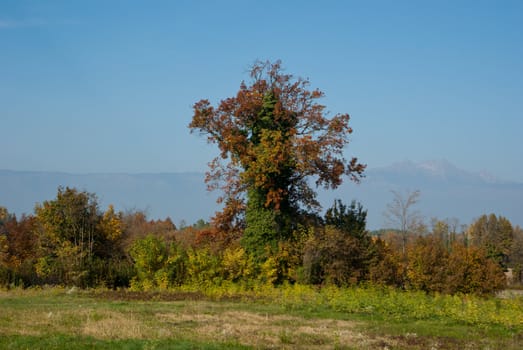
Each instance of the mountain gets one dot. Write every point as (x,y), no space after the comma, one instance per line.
(446,191)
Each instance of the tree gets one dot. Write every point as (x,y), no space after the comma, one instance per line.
(4,243)
(516,255)
(332,256)
(352,220)
(136,225)
(445,230)
(272,136)
(495,234)
(23,249)
(471,270)
(400,215)
(386,266)
(427,264)
(149,255)
(72,217)
(5,216)
(74,237)
(341,251)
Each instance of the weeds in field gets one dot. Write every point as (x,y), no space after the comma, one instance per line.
(385,303)
(262,316)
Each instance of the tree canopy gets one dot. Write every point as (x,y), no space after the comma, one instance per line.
(273,137)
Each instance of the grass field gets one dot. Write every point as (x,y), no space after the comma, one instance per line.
(284,318)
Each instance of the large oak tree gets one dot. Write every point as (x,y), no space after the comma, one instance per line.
(273,136)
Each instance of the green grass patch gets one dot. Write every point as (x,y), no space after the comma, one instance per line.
(262,317)
(69,342)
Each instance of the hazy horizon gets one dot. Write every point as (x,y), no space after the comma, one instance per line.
(486,174)
(447,191)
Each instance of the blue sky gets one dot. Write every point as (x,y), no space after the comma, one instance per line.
(107,86)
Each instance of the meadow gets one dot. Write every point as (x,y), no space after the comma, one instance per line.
(265,317)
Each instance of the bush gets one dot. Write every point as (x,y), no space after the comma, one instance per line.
(386,266)
(468,270)
(427,268)
(203,267)
(237,265)
(333,256)
(472,271)
(149,255)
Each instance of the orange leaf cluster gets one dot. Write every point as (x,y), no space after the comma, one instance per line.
(272,136)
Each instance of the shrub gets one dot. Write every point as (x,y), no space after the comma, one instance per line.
(386,266)
(149,255)
(333,256)
(472,271)
(203,267)
(427,264)
(237,265)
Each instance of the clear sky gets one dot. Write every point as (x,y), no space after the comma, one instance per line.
(107,86)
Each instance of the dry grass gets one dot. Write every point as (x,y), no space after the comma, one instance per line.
(187,320)
(44,314)
(267,330)
(114,325)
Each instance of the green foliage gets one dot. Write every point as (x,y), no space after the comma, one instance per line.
(73,216)
(273,137)
(176,266)
(283,265)
(111,273)
(352,220)
(149,255)
(200,224)
(203,268)
(73,234)
(67,265)
(294,316)
(261,231)
(71,242)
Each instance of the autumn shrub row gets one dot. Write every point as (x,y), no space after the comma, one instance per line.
(428,267)
(69,241)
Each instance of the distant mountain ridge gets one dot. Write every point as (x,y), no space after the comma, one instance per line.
(446,191)
(434,171)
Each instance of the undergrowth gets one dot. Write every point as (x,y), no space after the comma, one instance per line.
(379,302)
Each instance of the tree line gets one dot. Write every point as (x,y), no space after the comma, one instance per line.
(275,140)
(70,241)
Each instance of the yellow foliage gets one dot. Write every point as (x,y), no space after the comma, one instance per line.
(112,224)
(269,270)
(237,264)
(161,278)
